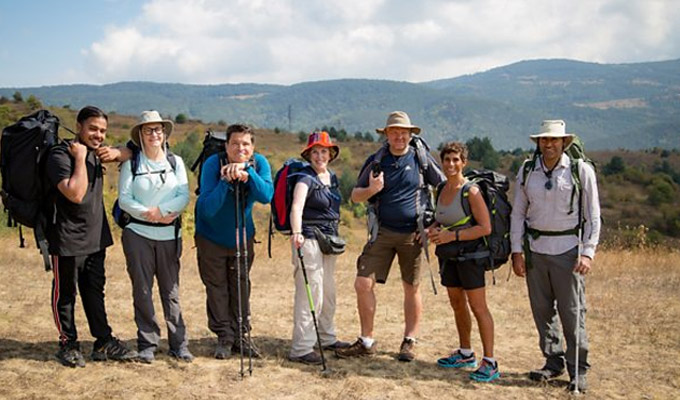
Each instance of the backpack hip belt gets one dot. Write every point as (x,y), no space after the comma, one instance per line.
(536,233)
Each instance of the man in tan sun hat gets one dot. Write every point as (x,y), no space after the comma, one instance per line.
(553,245)
(394,184)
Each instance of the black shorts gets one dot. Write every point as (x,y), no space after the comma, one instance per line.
(466,274)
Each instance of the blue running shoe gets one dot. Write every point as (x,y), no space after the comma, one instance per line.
(458,360)
(487,372)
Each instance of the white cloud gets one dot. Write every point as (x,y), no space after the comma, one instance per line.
(288,41)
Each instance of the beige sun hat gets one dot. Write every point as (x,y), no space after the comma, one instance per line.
(399,119)
(150,117)
(554,128)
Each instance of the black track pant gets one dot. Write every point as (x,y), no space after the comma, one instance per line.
(87,273)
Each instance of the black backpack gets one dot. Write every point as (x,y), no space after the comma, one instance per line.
(212,143)
(24,148)
(492,250)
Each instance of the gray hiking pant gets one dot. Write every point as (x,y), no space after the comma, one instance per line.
(145,259)
(552,288)
(217,267)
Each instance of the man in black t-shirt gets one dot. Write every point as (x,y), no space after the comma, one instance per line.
(78,237)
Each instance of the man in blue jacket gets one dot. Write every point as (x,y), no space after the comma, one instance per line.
(216,234)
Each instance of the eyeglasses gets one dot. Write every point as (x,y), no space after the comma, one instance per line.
(151,131)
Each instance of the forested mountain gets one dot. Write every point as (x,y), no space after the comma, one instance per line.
(609,105)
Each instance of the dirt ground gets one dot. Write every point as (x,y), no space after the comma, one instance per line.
(633,323)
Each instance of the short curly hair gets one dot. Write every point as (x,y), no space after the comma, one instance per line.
(454,147)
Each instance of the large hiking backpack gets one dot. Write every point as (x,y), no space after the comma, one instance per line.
(121,217)
(25,190)
(212,143)
(493,250)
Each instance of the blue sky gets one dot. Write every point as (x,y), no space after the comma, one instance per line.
(290,41)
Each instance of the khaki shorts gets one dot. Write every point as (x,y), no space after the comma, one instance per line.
(376,259)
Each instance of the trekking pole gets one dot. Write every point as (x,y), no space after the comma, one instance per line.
(578,310)
(325,369)
(246,270)
(238,270)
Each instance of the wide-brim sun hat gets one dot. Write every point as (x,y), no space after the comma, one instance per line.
(320,139)
(150,117)
(553,128)
(399,119)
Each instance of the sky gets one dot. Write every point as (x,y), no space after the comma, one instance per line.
(47,42)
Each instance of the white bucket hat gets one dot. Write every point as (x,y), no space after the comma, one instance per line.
(150,117)
(553,128)
(399,119)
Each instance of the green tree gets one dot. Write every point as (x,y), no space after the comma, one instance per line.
(482,150)
(18,97)
(33,103)
(368,137)
(181,118)
(346,183)
(661,190)
(302,136)
(614,166)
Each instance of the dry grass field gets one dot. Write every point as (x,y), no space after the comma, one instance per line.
(633,322)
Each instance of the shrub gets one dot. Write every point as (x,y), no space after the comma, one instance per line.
(614,166)
(181,118)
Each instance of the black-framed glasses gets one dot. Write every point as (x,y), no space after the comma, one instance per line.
(150,131)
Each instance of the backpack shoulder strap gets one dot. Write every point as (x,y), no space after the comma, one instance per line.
(528,166)
(172,160)
(465,197)
(438,191)
(134,162)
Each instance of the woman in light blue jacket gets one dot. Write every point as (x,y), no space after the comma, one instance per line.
(153,190)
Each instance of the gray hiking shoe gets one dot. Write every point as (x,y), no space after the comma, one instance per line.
(146,356)
(182,354)
(70,356)
(113,349)
(582,384)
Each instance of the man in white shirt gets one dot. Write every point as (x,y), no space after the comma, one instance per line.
(555,230)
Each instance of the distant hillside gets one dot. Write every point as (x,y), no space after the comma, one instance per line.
(617,105)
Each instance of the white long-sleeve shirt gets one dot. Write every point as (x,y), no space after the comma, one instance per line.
(548,210)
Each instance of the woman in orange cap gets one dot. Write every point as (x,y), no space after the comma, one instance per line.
(315,207)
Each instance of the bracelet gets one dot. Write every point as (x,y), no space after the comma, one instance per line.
(457,235)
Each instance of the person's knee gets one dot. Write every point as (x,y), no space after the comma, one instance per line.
(458,301)
(363,285)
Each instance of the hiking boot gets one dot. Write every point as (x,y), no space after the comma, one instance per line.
(113,349)
(70,356)
(247,346)
(223,350)
(312,358)
(357,349)
(146,356)
(406,353)
(337,345)
(486,372)
(458,360)
(182,354)
(544,374)
(582,384)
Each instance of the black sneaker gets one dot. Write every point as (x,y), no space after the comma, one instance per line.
(70,356)
(248,348)
(312,358)
(544,374)
(113,349)
(223,350)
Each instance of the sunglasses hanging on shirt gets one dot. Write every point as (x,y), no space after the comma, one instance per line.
(548,174)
